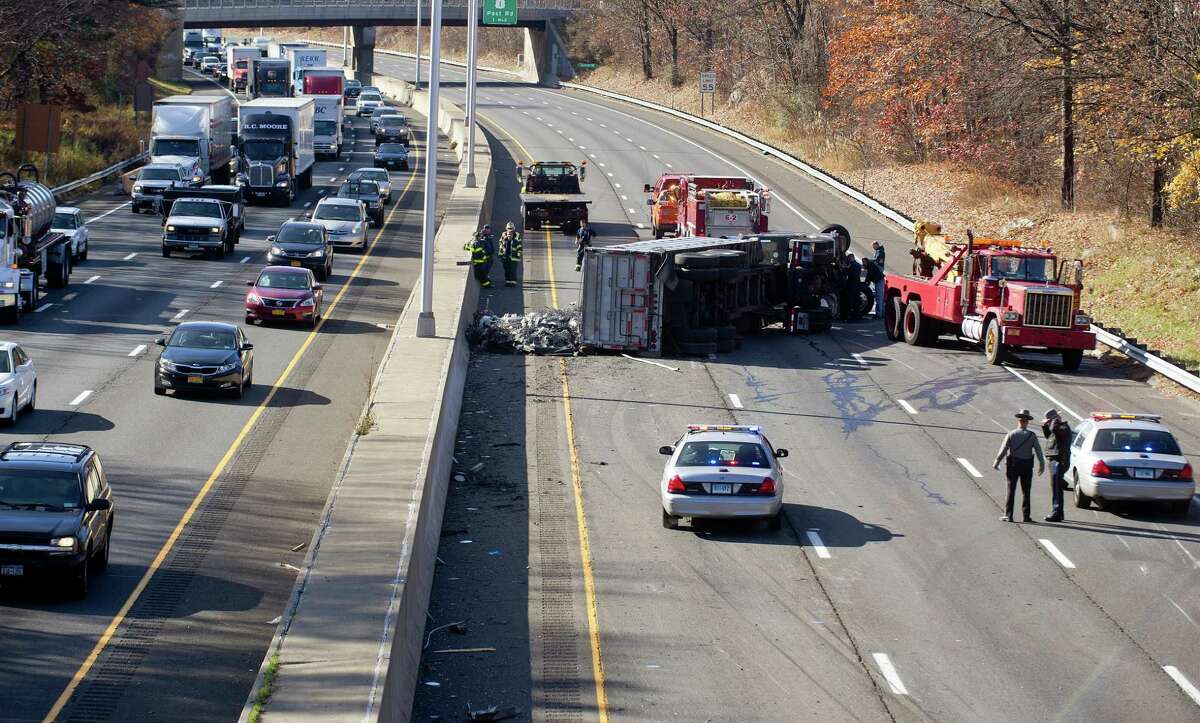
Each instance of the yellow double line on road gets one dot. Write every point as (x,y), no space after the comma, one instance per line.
(585,548)
(169,544)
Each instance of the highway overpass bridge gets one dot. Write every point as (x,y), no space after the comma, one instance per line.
(545,54)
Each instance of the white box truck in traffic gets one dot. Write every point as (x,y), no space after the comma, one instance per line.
(195,133)
(238,61)
(275,137)
(304,58)
(328,115)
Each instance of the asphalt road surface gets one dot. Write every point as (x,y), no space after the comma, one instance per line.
(189,645)
(893,590)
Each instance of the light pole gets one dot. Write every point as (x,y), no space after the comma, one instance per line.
(417,78)
(472,53)
(426,326)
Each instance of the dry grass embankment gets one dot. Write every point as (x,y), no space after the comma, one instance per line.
(89,143)
(1145,281)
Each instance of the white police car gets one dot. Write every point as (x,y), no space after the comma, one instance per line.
(1129,457)
(722,471)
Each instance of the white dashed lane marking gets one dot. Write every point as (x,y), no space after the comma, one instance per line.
(818,545)
(970,468)
(1182,681)
(79,399)
(907,407)
(43,307)
(215,284)
(733,398)
(180,314)
(1057,554)
(129,257)
(889,673)
(91,279)
(244,260)
(137,350)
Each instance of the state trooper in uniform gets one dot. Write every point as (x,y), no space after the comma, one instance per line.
(1019,448)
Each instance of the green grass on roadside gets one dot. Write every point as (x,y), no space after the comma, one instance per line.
(265,690)
(170,87)
(1158,303)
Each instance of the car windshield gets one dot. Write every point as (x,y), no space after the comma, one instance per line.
(1023,268)
(392,122)
(64,221)
(34,489)
(336,212)
(158,174)
(563,169)
(241,64)
(263,150)
(732,454)
(203,339)
(358,188)
(370,174)
(176,147)
(282,280)
(196,208)
(370,96)
(1150,441)
(301,235)
(325,127)
(392,148)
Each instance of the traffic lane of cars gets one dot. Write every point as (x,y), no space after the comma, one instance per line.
(195,441)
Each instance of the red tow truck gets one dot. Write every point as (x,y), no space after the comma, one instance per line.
(1001,294)
(686,204)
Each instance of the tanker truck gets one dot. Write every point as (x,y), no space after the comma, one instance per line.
(28,248)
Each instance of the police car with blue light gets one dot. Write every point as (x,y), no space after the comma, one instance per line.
(1129,457)
(722,472)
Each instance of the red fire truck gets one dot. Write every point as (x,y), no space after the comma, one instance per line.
(685,204)
(1001,294)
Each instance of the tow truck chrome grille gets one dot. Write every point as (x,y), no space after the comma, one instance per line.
(1049,310)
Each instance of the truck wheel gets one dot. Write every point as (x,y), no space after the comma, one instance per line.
(915,324)
(696,348)
(1082,501)
(166,252)
(699,274)
(58,273)
(893,314)
(698,335)
(669,522)
(697,260)
(1071,359)
(727,332)
(992,347)
(11,314)
(658,232)
(724,346)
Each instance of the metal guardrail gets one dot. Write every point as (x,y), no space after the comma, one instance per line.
(102,174)
(1129,348)
(267,4)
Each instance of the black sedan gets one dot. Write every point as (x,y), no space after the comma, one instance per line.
(204,356)
(391,155)
(302,243)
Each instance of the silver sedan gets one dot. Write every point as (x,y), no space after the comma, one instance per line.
(722,471)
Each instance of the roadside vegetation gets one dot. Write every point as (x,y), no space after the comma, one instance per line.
(86,59)
(1067,122)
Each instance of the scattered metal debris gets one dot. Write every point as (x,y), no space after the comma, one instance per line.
(493,713)
(464,650)
(299,547)
(550,331)
(275,620)
(461,624)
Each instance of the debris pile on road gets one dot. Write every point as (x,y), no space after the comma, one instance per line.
(550,331)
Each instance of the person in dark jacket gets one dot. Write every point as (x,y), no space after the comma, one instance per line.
(510,254)
(880,262)
(874,277)
(583,239)
(1058,450)
(483,253)
(851,285)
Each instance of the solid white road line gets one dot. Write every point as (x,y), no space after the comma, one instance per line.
(244,260)
(331,180)
(601,164)
(1057,554)
(341,168)
(1044,393)
(43,307)
(814,539)
(91,279)
(969,467)
(180,314)
(736,401)
(215,284)
(889,673)
(137,350)
(129,257)
(907,407)
(107,213)
(1182,681)
(79,400)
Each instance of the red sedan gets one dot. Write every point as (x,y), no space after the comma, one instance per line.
(284,293)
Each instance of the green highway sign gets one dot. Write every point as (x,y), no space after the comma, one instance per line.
(499,12)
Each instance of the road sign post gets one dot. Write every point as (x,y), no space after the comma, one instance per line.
(708,86)
(499,12)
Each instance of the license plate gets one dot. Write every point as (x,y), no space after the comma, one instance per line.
(278,312)
(720,488)
(195,380)
(193,247)
(12,570)
(296,263)
(1143,473)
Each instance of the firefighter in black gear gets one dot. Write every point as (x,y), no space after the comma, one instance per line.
(510,254)
(483,253)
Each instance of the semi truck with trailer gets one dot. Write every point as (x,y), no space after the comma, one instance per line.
(687,204)
(301,58)
(238,59)
(1001,294)
(29,248)
(275,147)
(195,133)
(551,195)
(269,77)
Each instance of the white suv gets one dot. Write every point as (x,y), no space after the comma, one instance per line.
(1129,457)
(18,382)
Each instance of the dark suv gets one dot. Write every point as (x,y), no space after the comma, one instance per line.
(393,129)
(56,513)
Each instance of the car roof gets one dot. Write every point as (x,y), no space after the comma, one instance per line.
(45,453)
(299,270)
(160,166)
(6,345)
(207,326)
(372,168)
(739,437)
(299,222)
(66,209)
(1131,424)
(335,201)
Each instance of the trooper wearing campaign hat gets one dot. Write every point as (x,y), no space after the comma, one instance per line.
(1018,448)
(1058,449)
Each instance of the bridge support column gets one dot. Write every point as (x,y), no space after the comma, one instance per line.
(169,64)
(363,55)
(545,58)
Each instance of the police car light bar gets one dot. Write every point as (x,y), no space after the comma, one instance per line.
(1105,416)
(724,428)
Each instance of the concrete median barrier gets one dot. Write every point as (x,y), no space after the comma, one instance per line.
(348,646)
